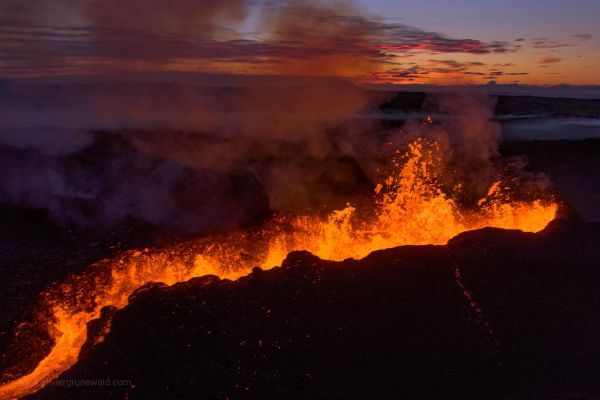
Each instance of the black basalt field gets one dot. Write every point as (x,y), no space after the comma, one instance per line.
(494,314)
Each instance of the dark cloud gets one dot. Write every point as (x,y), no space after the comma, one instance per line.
(583,37)
(457,64)
(295,37)
(413,72)
(433,43)
(496,73)
(549,60)
(545,43)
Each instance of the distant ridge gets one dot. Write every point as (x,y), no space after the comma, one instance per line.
(240,80)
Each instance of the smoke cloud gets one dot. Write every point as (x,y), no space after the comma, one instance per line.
(193,157)
(471,138)
(201,158)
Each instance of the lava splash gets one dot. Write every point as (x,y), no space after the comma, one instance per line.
(409,208)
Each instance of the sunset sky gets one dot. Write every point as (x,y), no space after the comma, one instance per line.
(561,38)
(375,41)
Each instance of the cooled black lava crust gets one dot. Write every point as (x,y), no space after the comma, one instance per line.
(494,314)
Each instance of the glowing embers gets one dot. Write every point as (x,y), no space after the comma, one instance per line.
(409,208)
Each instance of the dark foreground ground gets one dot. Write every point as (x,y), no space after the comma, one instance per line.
(494,314)
(397,324)
(394,324)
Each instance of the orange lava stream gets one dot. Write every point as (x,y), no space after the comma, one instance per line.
(410,209)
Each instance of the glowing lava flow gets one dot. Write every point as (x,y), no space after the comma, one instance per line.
(410,208)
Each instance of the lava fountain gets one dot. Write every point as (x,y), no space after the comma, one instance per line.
(408,208)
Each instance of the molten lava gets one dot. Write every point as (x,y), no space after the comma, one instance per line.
(409,208)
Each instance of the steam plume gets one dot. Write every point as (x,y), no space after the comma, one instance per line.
(188,155)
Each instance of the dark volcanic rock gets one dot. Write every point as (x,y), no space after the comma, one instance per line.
(572,165)
(35,253)
(495,314)
(509,105)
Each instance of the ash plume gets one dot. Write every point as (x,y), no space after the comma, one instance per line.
(201,157)
(471,139)
(166,154)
